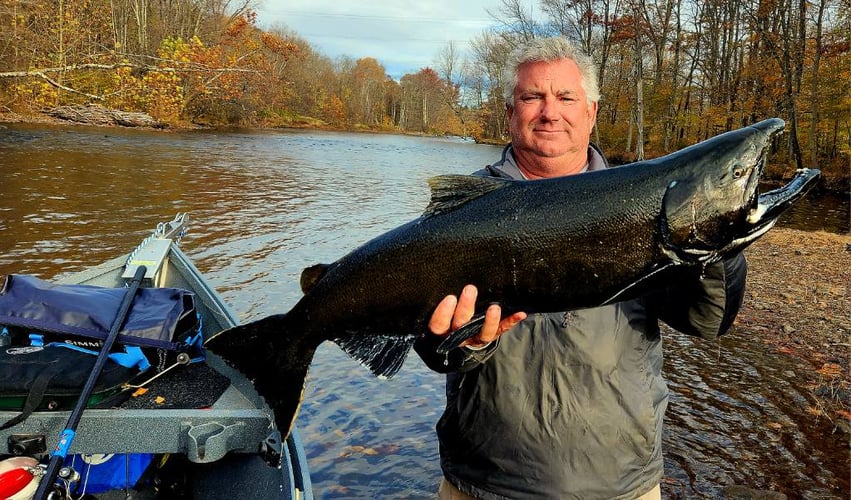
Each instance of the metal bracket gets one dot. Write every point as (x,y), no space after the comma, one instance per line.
(27,445)
(271,449)
(212,441)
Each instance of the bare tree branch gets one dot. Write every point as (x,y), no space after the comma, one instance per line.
(72,67)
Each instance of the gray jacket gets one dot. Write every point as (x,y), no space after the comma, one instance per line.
(570,405)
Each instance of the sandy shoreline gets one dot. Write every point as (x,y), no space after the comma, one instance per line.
(797,301)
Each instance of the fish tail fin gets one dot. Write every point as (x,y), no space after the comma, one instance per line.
(275,355)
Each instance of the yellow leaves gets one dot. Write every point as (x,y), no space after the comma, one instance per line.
(177,50)
(36,95)
(163,98)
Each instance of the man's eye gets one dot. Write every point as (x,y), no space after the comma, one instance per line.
(529,98)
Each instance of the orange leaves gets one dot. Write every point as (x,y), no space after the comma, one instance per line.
(278,46)
(238,27)
(830,370)
(333,110)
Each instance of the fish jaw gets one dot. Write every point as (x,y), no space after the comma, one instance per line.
(771,205)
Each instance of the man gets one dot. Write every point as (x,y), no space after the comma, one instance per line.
(563,405)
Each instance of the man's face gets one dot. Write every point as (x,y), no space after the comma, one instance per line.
(551,117)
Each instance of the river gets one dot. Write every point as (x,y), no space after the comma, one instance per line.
(265,204)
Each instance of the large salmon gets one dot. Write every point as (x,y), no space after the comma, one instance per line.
(535,246)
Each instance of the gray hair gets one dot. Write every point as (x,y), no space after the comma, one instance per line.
(550,50)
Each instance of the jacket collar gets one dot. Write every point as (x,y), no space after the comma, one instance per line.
(507,165)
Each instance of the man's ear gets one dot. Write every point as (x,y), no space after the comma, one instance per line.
(509,110)
(592,111)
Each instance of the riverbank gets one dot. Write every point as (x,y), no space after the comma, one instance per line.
(109,118)
(797,303)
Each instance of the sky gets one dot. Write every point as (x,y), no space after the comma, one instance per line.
(403,35)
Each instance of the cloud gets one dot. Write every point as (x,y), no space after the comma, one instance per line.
(403,36)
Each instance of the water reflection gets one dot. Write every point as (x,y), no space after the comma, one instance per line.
(822,211)
(734,403)
(265,204)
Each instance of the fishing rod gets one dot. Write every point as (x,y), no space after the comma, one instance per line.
(67,436)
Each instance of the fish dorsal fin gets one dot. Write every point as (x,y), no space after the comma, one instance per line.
(452,191)
(382,354)
(310,276)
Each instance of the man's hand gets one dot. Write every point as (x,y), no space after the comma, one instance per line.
(454,312)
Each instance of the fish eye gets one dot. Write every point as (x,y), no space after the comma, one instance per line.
(738,172)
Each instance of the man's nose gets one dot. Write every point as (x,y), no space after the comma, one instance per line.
(549,109)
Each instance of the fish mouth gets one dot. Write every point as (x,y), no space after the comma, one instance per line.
(767,207)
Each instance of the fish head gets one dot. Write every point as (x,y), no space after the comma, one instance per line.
(713,207)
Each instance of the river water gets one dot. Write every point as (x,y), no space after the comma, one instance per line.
(266,204)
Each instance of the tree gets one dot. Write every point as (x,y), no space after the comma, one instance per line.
(781,28)
(449,70)
(517,21)
(368,77)
(424,108)
(490,52)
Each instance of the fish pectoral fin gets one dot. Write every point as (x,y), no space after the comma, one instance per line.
(382,354)
(637,287)
(310,276)
(452,191)
(456,338)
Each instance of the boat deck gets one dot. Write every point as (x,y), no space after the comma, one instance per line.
(237,422)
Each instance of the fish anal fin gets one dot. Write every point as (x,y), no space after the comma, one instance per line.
(452,191)
(383,355)
(310,276)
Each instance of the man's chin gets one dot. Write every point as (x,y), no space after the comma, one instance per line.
(551,149)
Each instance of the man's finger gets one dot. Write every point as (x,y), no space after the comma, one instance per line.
(441,319)
(465,308)
(490,327)
(508,322)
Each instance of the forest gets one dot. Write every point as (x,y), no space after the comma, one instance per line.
(671,72)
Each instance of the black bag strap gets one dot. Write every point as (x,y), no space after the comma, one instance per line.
(35,396)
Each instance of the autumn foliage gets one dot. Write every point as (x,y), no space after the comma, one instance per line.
(671,72)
